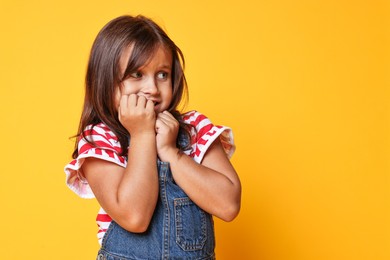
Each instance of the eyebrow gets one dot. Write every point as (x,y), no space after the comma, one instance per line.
(165,66)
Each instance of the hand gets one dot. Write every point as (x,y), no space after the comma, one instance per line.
(136,114)
(167,128)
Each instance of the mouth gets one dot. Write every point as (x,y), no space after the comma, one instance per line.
(156,105)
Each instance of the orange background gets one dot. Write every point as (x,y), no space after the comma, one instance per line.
(304,85)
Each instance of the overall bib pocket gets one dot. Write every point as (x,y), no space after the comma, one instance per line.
(191,225)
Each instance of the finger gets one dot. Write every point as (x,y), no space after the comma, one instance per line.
(162,122)
(141,101)
(150,105)
(159,124)
(164,118)
(132,100)
(166,112)
(169,122)
(123,103)
(167,117)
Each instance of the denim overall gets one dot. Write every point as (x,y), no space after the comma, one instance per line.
(179,229)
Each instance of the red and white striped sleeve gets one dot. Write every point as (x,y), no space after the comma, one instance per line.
(107,147)
(206,133)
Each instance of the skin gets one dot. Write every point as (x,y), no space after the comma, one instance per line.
(129,195)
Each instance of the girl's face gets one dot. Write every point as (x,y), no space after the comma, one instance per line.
(152,80)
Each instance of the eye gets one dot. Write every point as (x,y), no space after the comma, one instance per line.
(162,75)
(136,74)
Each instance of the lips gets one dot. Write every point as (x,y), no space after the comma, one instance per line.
(156,106)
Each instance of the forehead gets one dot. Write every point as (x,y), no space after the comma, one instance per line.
(132,58)
(162,56)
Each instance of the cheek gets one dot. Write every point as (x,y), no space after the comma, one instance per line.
(168,93)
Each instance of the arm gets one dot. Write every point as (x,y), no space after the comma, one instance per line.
(213,185)
(129,195)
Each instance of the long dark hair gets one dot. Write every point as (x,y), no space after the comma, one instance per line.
(103,73)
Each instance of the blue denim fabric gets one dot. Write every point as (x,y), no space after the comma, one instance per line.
(179,229)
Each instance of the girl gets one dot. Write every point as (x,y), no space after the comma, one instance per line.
(159,176)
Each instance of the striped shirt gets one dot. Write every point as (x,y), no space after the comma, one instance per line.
(107,147)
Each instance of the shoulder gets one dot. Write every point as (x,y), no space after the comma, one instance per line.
(99,135)
(204,133)
(96,141)
(99,130)
(193,117)
(199,121)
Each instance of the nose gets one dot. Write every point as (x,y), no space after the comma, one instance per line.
(150,88)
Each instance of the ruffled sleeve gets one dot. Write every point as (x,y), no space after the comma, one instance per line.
(205,134)
(107,147)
